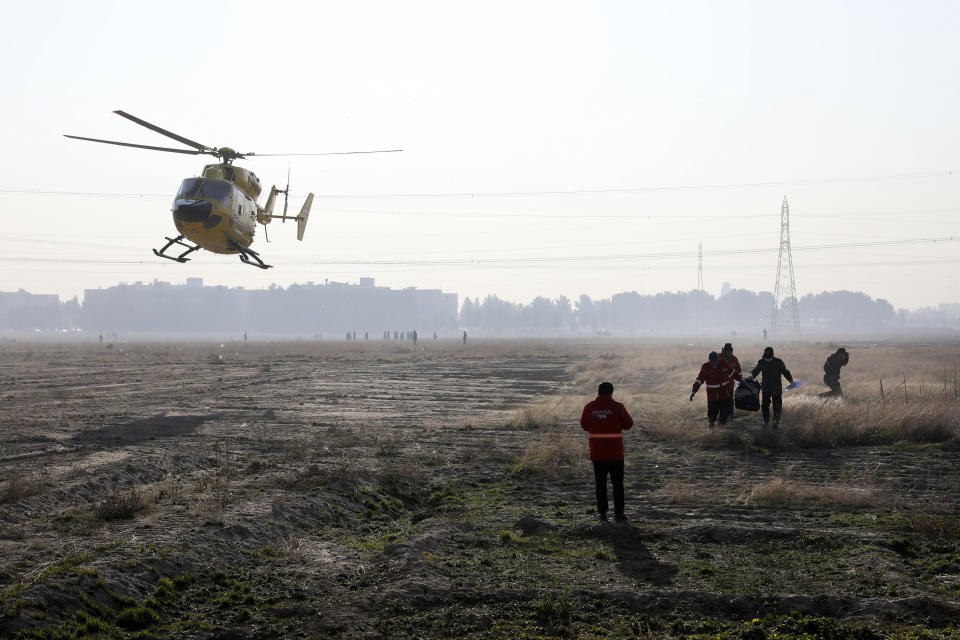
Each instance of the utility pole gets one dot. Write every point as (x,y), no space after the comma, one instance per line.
(786,312)
(697,293)
(700,268)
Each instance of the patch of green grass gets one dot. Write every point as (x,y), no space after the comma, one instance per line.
(929,525)
(555,610)
(136,618)
(480,502)
(558,614)
(83,626)
(10,600)
(376,503)
(446,494)
(66,565)
(509,537)
(375,543)
(166,589)
(268,552)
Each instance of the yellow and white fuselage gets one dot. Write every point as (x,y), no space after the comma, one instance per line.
(218,211)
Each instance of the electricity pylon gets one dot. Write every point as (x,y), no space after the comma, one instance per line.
(786,311)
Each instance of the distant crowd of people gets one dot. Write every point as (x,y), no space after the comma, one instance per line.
(411,336)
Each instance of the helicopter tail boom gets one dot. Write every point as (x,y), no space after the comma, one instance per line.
(268,208)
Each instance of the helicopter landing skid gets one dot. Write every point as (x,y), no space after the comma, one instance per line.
(178,241)
(251,257)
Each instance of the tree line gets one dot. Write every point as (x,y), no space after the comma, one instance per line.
(738,310)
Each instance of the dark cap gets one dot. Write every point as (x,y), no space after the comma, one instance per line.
(727,348)
(605,389)
(768,352)
(841,350)
(713,356)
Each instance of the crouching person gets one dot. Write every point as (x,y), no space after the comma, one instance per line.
(605,420)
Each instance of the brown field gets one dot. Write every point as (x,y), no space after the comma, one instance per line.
(382,490)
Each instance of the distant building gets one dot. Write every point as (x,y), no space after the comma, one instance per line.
(23,311)
(300,308)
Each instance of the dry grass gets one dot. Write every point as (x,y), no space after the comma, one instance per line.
(20,486)
(537,417)
(554,455)
(315,475)
(120,505)
(781,492)
(814,422)
(677,492)
(919,401)
(403,475)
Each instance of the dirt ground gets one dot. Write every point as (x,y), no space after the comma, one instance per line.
(382,490)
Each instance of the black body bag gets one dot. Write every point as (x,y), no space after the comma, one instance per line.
(747,395)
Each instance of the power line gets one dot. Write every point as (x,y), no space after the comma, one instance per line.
(557,192)
(641,256)
(702,187)
(528,260)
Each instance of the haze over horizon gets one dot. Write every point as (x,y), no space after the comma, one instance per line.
(549,149)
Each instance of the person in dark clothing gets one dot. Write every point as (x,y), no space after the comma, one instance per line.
(771,387)
(831,373)
(717,376)
(605,420)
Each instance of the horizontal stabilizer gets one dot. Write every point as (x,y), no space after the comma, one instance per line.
(302,218)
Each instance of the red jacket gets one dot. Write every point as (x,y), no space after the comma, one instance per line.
(718,380)
(734,365)
(605,420)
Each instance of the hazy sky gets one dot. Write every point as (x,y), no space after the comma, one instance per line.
(664,124)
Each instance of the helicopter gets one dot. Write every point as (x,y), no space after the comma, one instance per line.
(218,209)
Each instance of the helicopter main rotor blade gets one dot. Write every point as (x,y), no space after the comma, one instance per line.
(138,146)
(169,134)
(331,153)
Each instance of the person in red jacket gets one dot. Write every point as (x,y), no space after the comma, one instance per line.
(605,420)
(717,376)
(726,354)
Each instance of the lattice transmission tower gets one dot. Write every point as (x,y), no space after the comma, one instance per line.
(786,311)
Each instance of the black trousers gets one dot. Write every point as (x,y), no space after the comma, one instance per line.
(766,398)
(834,384)
(600,470)
(718,410)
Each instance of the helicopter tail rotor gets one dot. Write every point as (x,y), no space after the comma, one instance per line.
(302,218)
(266,214)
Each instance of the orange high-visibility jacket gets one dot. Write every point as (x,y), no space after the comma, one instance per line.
(717,380)
(605,420)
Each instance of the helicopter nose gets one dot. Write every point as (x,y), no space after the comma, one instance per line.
(192,210)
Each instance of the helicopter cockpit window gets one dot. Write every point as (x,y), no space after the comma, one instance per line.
(219,190)
(189,188)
